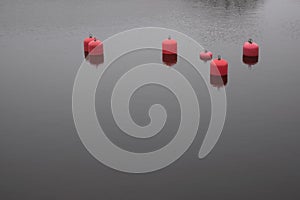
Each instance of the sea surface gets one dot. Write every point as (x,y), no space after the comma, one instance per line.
(41,154)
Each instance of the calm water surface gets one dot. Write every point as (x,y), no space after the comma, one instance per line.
(257,156)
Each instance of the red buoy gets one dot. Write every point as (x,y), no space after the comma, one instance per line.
(250,49)
(169,46)
(95,47)
(86,42)
(219,67)
(206,55)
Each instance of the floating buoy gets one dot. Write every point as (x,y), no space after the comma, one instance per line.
(218,81)
(169,46)
(206,55)
(86,42)
(219,67)
(95,50)
(169,59)
(95,47)
(250,49)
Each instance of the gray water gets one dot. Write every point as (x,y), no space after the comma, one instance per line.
(257,156)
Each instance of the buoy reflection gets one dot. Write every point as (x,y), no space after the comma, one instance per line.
(95,59)
(218,81)
(169,59)
(250,61)
(86,54)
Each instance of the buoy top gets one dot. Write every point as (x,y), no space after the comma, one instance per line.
(169,46)
(220,62)
(250,48)
(90,35)
(219,67)
(95,47)
(94,42)
(169,41)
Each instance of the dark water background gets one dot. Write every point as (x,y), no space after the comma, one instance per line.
(41,155)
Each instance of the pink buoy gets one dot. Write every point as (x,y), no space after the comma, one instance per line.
(250,49)
(95,47)
(86,42)
(169,46)
(206,55)
(219,67)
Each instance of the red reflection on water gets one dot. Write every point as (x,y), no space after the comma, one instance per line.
(169,59)
(218,81)
(250,61)
(95,59)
